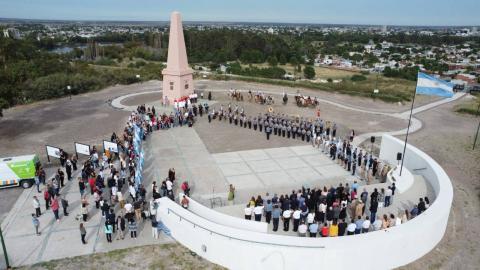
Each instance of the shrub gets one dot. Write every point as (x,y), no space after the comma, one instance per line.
(358,78)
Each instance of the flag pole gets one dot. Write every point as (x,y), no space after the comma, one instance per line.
(408,129)
(478,128)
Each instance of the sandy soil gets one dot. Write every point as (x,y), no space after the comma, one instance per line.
(167,256)
(447,137)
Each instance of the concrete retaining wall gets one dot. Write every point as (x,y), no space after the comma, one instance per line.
(237,248)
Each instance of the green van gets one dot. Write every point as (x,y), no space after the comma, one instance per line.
(18,171)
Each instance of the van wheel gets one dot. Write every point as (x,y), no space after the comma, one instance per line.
(26,183)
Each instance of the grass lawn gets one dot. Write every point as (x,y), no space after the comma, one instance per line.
(469,106)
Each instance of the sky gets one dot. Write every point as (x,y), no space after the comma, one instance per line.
(376,12)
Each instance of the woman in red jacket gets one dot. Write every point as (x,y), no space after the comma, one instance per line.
(91,183)
(55,207)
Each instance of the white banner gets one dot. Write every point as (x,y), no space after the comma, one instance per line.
(110,146)
(82,149)
(53,151)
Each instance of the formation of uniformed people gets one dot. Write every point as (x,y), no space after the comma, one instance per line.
(275,124)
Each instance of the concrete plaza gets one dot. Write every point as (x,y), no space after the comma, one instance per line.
(201,156)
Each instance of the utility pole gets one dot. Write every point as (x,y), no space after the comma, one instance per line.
(7,263)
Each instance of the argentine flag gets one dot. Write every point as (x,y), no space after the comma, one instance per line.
(429,85)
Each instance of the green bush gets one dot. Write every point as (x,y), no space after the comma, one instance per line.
(358,78)
(309,72)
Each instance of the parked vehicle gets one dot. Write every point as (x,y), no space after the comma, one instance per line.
(18,171)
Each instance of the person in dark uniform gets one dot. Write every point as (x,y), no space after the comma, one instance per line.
(268,130)
(275,127)
(244,121)
(294,131)
(241,121)
(260,124)
(303,134)
(200,110)
(255,123)
(284,130)
(249,121)
(289,129)
(309,134)
(235,119)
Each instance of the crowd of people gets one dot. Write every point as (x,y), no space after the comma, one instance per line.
(107,181)
(328,212)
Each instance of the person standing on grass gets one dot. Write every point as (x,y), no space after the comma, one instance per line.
(108,231)
(83,233)
(36,205)
(36,224)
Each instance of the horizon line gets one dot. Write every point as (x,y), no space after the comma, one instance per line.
(249,22)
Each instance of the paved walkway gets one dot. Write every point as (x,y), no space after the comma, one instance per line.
(61,239)
(414,126)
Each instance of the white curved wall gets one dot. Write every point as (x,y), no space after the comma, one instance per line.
(224,219)
(242,249)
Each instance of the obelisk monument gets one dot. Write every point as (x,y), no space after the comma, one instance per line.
(177,76)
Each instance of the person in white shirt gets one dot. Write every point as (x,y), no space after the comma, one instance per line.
(132,191)
(36,206)
(351,228)
(296,219)
(388,196)
(366,225)
(377,225)
(302,229)
(257,211)
(322,209)
(248,212)
(310,218)
(398,220)
(286,219)
(128,208)
(169,185)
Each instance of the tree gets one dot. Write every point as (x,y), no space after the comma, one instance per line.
(282,60)
(309,72)
(293,61)
(272,61)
